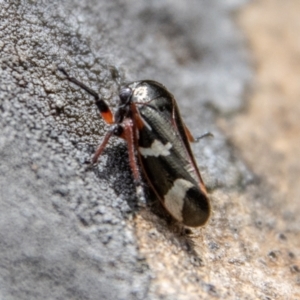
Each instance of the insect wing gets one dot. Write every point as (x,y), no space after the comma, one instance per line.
(166,156)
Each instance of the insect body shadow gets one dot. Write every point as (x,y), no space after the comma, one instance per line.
(117,173)
(116,170)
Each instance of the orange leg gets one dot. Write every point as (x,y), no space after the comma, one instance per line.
(130,138)
(102,146)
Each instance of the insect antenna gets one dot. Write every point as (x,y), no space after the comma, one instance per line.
(101,104)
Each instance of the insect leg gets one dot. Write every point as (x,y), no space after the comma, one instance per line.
(131,142)
(198,138)
(102,146)
(101,104)
(207,134)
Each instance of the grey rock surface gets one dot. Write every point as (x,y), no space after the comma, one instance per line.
(65,230)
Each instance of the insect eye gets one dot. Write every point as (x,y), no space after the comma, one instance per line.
(125,95)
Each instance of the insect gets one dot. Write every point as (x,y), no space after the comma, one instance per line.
(158,141)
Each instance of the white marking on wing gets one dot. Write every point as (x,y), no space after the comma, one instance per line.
(141,92)
(156,149)
(174,199)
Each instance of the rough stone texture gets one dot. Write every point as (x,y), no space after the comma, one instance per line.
(69,232)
